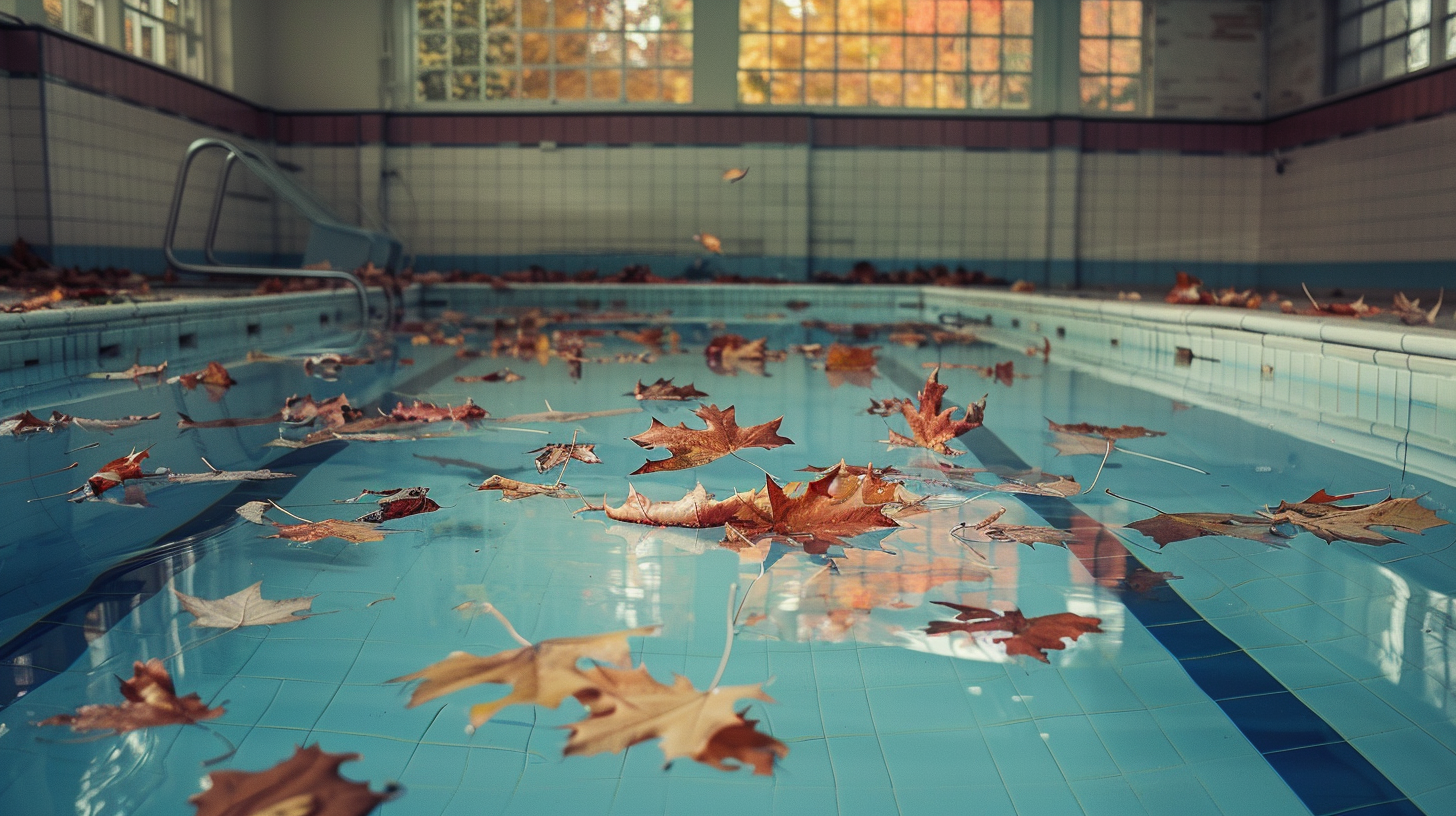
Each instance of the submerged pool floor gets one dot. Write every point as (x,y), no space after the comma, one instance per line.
(1221,675)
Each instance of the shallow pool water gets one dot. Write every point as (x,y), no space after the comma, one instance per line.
(1262,679)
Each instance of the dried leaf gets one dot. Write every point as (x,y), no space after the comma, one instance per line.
(102,425)
(335,412)
(214,375)
(559,453)
(628,706)
(1166,528)
(1029,636)
(1078,445)
(429,412)
(932,428)
(734,174)
(186,422)
(354,532)
(695,510)
(151,700)
(1104,431)
(114,473)
(1410,311)
(326,366)
(841,357)
(504,375)
(37,302)
(511,489)
(136,372)
(692,448)
(665,390)
(397,503)
(25,423)
(541,674)
(1333,522)
(729,354)
(244,608)
(988,530)
(709,241)
(306,784)
(816,519)
(1143,580)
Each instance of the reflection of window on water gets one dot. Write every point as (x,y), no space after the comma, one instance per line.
(80,17)
(167,32)
(554,50)
(1377,40)
(886,53)
(1111,55)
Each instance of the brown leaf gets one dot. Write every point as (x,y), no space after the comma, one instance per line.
(511,489)
(734,174)
(136,372)
(504,375)
(1104,431)
(988,530)
(1143,580)
(24,423)
(214,374)
(841,357)
(244,608)
(305,784)
(729,354)
(566,416)
(628,706)
(60,420)
(886,407)
(1333,522)
(428,412)
(930,426)
(335,412)
(709,241)
(816,519)
(1028,483)
(649,336)
(37,302)
(397,503)
(541,674)
(354,532)
(1166,528)
(665,390)
(1412,314)
(1029,636)
(1078,445)
(186,422)
(692,447)
(695,510)
(151,700)
(559,452)
(115,472)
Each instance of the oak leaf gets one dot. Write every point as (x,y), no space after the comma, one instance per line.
(695,510)
(1334,522)
(816,519)
(559,453)
(930,427)
(1166,528)
(245,607)
(1029,636)
(543,673)
(628,706)
(665,390)
(305,784)
(511,489)
(692,447)
(151,700)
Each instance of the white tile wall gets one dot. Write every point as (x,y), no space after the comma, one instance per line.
(22,167)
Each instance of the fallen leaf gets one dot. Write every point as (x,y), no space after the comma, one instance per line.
(628,706)
(885,408)
(334,412)
(729,354)
(1166,528)
(326,366)
(396,503)
(988,530)
(1356,308)
(734,174)
(545,673)
(1143,580)
(136,372)
(665,390)
(1104,431)
(305,784)
(504,375)
(692,448)
(214,374)
(1004,373)
(841,357)
(37,302)
(1188,290)
(114,473)
(244,608)
(1334,522)
(930,427)
(815,519)
(709,241)
(1410,311)
(151,700)
(1029,636)
(186,422)
(511,489)
(1028,483)
(559,453)
(60,420)
(695,510)
(354,532)
(429,412)
(25,423)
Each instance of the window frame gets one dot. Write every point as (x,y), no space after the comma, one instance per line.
(70,12)
(1336,59)
(187,38)
(1146,99)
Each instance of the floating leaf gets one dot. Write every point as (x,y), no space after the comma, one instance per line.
(692,448)
(841,357)
(511,489)
(151,700)
(816,519)
(1103,431)
(397,502)
(306,784)
(709,241)
(244,608)
(24,423)
(734,174)
(566,416)
(136,372)
(1029,636)
(504,375)
(930,427)
(665,390)
(1333,522)
(213,375)
(429,412)
(354,532)
(728,354)
(695,510)
(988,530)
(114,473)
(559,453)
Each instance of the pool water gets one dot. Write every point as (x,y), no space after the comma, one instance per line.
(1310,677)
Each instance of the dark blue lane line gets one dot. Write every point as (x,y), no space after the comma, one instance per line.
(1322,769)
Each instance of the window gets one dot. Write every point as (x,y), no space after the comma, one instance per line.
(1450,29)
(80,17)
(554,50)
(886,53)
(1112,55)
(167,32)
(1380,39)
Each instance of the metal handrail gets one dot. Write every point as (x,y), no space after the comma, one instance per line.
(271,175)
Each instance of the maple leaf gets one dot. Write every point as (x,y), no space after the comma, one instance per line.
(664,390)
(734,174)
(504,375)
(428,412)
(214,375)
(559,453)
(396,503)
(1029,636)
(841,357)
(151,700)
(692,448)
(245,607)
(511,489)
(1410,311)
(1166,528)
(709,241)
(23,423)
(931,427)
(728,354)
(628,706)
(305,784)
(544,673)
(354,532)
(695,510)
(817,518)
(988,530)
(1334,522)
(114,473)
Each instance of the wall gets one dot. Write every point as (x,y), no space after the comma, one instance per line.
(1208,59)
(1296,54)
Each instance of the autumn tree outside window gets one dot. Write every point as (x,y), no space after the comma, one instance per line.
(80,17)
(167,32)
(955,54)
(1112,54)
(554,50)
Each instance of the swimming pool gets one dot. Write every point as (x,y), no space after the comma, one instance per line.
(1277,678)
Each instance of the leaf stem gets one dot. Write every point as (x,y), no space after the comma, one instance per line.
(487,606)
(1166,461)
(1134,501)
(38,475)
(728,646)
(735,455)
(570,451)
(1100,466)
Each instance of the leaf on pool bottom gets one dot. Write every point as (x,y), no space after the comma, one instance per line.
(151,700)
(988,530)
(511,489)
(696,510)
(544,673)
(629,706)
(1143,580)
(354,532)
(665,390)
(691,447)
(558,453)
(930,427)
(397,502)
(305,784)
(1334,522)
(1028,636)
(245,607)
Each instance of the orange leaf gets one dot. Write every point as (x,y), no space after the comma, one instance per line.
(305,784)
(692,447)
(850,358)
(151,700)
(816,519)
(695,510)
(665,390)
(1029,636)
(931,427)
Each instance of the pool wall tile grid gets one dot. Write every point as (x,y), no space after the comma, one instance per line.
(23,167)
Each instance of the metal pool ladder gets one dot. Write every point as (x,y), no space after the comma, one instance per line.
(344,246)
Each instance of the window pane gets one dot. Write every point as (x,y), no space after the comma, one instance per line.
(606,85)
(787,15)
(502,84)
(1370,27)
(1094,93)
(819,89)
(852,90)
(432,49)
(950,54)
(642,86)
(753,51)
(677,86)
(1094,56)
(1095,18)
(1123,93)
(465,13)
(887,90)
(1127,18)
(985,16)
(920,53)
(753,87)
(950,91)
(985,54)
(466,50)
(55,13)
(676,50)
(431,85)
(465,85)
(1016,91)
(1017,55)
(1126,57)
(753,15)
(854,52)
(1370,66)
(432,13)
(886,53)
(535,49)
(985,90)
(571,85)
(535,13)
(1016,17)
(1451,38)
(819,16)
(1349,37)
(1347,75)
(1395,58)
(535,83)
(951,17)
(571,50)
(818,51)
(888,15)
(1420,13)
(919,90)
(787,88)
(606,49)
(502,49)
(1418,49)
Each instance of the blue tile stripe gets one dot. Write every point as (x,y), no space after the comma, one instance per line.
(1322,769)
